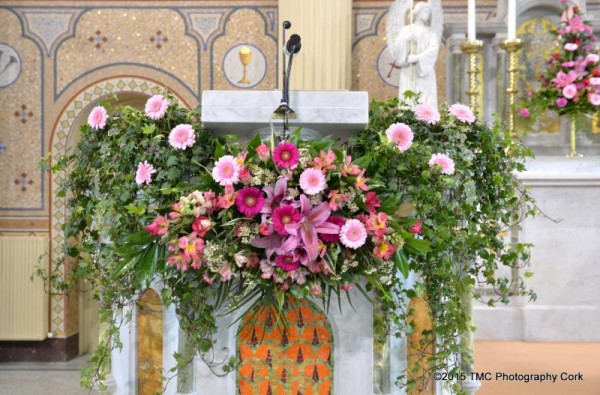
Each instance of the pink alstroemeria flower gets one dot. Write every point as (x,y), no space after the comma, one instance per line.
(304,233)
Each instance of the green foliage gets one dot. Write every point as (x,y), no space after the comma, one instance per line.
(464,215)
(107,206)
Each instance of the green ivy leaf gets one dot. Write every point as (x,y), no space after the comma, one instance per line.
(149,129)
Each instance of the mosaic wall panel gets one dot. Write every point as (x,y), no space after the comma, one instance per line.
(21,119)
(249,38)
(278,360)
(154,38)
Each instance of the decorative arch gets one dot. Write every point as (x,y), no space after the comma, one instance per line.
(64,127)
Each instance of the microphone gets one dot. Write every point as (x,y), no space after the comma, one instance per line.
(293,45)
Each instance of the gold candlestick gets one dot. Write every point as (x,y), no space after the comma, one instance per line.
(245,57)
(512,46)
(572,138)
(472,48)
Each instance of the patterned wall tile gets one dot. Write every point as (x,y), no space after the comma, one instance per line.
(49,26)
(100,42)
(21,119)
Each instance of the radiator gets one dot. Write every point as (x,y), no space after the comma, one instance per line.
(23,303)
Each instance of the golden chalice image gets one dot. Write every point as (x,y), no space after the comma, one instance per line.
(245,57)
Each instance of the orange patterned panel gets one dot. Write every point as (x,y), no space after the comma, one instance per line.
(291,357)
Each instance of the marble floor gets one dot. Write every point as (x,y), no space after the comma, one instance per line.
(42,378)
(491,356)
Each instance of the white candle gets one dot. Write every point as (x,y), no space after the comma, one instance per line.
(512,19)
(471,21)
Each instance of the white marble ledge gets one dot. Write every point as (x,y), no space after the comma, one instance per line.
(561,171)
(336,113)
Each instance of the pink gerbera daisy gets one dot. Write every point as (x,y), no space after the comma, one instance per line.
(182,136)
(98,117)
(286,155)
(226,171)
(401,135)
(312,181)
(353,234)
(144,173)
(250,201)
(462,112)
(284,215)
(333,238)
(156,107)
(287,263)
(424,112)
(443,161)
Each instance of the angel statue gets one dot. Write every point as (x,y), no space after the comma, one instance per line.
(414,46)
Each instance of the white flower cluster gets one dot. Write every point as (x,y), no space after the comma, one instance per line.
(261,176)
(214,254)
(248,233)
(305,157)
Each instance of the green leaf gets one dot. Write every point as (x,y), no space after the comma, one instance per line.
(390,204)
(133,209)
(418,246)
(219,150)
(401,263)
(149,129)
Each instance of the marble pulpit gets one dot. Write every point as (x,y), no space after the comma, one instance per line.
(333,351)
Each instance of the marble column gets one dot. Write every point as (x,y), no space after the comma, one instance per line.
(324,62)
(500,74)
(456,83)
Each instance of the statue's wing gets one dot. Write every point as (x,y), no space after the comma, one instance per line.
(437,17)
(395,22)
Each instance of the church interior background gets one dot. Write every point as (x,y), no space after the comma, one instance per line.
(57,58)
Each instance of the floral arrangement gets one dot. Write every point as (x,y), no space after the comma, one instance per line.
(156,197)
(571,81)
(298,216)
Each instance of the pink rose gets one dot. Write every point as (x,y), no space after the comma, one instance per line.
(417,228)
(264,152)
(570,91)
(524,112)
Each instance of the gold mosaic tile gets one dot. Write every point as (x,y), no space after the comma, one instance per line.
(178,56)
(20,119)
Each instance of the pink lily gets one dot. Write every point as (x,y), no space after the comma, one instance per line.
(274,195)
(304,233)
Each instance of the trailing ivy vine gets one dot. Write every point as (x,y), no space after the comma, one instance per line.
(463,220)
